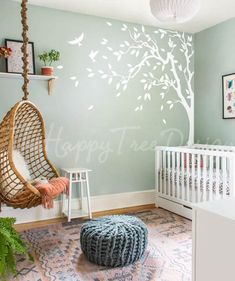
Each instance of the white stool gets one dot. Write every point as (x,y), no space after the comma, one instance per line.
(79,176)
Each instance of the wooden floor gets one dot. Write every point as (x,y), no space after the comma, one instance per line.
(25,226)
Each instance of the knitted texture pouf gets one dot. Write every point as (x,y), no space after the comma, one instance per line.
(114,240)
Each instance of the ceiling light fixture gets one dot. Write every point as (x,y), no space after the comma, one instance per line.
(174,11)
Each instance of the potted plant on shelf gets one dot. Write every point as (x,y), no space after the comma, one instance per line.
(5,52)
(48,58)
(10,245)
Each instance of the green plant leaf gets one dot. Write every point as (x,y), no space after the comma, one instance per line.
(10,244)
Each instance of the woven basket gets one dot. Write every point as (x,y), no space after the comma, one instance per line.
(114,240)
(23,129)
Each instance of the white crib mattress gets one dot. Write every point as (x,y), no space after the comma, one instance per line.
(205,180)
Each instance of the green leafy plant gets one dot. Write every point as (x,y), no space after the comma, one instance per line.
(11,244)
(49,57)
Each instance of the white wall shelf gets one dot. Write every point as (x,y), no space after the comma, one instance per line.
(49,79)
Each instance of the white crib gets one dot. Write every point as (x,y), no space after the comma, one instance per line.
(187,175)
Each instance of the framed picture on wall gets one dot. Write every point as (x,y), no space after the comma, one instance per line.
(14,62)
(229,96)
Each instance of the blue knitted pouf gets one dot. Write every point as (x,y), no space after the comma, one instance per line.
(114,240)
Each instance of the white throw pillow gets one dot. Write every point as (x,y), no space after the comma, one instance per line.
(40,180)
(10,184)
(21,165)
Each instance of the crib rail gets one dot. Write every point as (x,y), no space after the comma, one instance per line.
(214,147)
(200,173)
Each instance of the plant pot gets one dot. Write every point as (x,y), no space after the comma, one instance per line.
(47,70)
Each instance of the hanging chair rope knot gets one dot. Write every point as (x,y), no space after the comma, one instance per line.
(24,48)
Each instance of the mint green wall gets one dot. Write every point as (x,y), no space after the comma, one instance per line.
(85,117)
(214,57)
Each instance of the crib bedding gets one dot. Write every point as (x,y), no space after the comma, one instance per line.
(205,180)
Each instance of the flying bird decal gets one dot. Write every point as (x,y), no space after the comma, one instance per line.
(93,55)
(77,40)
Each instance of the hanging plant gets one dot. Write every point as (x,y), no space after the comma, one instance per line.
(48,58)
(10,245)
(5,52)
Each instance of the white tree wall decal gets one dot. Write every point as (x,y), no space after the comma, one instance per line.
(168,68)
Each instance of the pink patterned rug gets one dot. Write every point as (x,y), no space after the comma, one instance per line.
(58,255)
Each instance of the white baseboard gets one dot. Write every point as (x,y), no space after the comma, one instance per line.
(98,203)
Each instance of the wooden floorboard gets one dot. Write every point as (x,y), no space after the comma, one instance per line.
(26,226)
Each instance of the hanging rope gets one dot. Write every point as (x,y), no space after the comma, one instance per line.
(24,48)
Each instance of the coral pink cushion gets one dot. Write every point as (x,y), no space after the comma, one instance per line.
(52,189)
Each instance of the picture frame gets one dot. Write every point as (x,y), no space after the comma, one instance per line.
(14,63)
(228,96)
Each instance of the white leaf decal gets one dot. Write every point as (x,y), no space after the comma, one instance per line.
(73,78)
(124,27)
(60,67)
(164,121)
(148,96)
(109,23)
(91,75)
(90,107)
(76,83)
(125,87)
(104,41)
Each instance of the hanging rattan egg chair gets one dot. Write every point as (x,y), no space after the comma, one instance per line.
(22,129)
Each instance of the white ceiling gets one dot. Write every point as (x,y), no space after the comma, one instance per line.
(212,11)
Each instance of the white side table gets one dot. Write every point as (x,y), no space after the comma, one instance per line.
(79,176)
